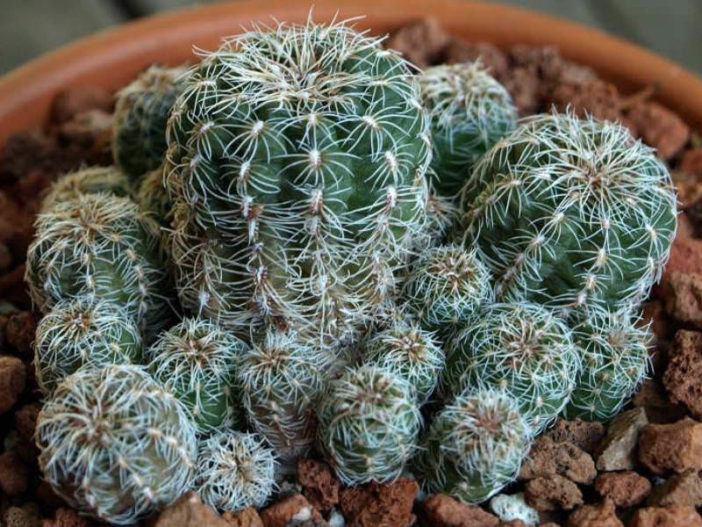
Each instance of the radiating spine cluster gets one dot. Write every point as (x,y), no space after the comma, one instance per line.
(108,180)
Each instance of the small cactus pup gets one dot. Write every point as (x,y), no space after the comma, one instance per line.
(299,153)
(282,379)
(470,111)
(448,284)
(368,425)
(109,180)
(616,359)
(100,246)
(475,445)
(195,361)
(524,350)
(141,114)
(83,332)
(153,199)
(409,352)
(115,445)
(235,470)
(571,213)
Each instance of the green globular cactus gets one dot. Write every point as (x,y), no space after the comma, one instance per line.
(83,332)
(282,379)
(475,446)
(195,360)
(616,359)
(109,180)
(409,352)
(571,214)
(470,112)
(368,425)
(235,471)
(448,284)
(100,246)
(141,115)
(115,445)
(153,199)
(522,349)
(297,155)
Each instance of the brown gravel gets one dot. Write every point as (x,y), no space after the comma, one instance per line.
(617,451)
(422,42)
(280,513)
(548,458)
(319,485)
(672,447)
(552,493)
(586,435)
(70,518)
(246,518)
(625,489)
(380,505)
(13,376)
(674,516)
(19,333)
(14,474)
(683,374)
(441,510)
(593,97)
(680,489)
(599,515)
(189,511)
(683,296)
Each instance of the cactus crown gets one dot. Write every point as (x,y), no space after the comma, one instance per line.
(571,213)
(475,445)
(195,360)
(470,111)
(114,444)
(94,180)
(299,155)
(83,331)
(235,471)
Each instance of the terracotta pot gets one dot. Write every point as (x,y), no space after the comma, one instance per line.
(111,58)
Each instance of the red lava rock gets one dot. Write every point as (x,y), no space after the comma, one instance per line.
(70,518)
(493,58)
(548,457)
(19,333)
(441,510)
(552,493)
(14,474)
(92,132)
(26,420)
(659,128)
(13,376)
(25,152)
(658,408)
(48,497)
(524,86)
(593,97)
(683,374)
(380,505)
(12,287)
(600,515)
(688,187)
(16,226)
(617,449)
(585,435)
(682,293)
(675,516)
(673,447)
(189,511)
(74,101)
(320,487)
(625,489)
(293,507)
(685,256)
(680,489)
(25,516)
(422,42)
(654,315)
(246,518)
(691,162)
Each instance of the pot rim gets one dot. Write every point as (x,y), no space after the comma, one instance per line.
(110,58)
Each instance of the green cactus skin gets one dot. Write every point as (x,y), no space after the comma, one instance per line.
(153,199)
(571,214)
(100,246)
(195,361)
(113,444)
(616,360)
(83,332)
(235,471)
(447,286)
(368,425)
(141,114)
(282,380)
(409,352)
(475,446)
(523,349)
(299,154)
(93,180)
(470,112)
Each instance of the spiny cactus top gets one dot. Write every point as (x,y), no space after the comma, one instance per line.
(447,285)
(571,213)
(83,331)
(235,471)
(470,111)
(368,424)
(99,246)
(114,444)
(475,445)
(523,349)
(410,352)
(110,180)
(615,360)
(141,114)
(300,154)
(195,360)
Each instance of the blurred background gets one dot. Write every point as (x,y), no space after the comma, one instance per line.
(670,27)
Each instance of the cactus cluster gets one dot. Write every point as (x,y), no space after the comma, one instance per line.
(94,180)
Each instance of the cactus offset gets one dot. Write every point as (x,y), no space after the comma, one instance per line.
(153,199)
(94,180)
